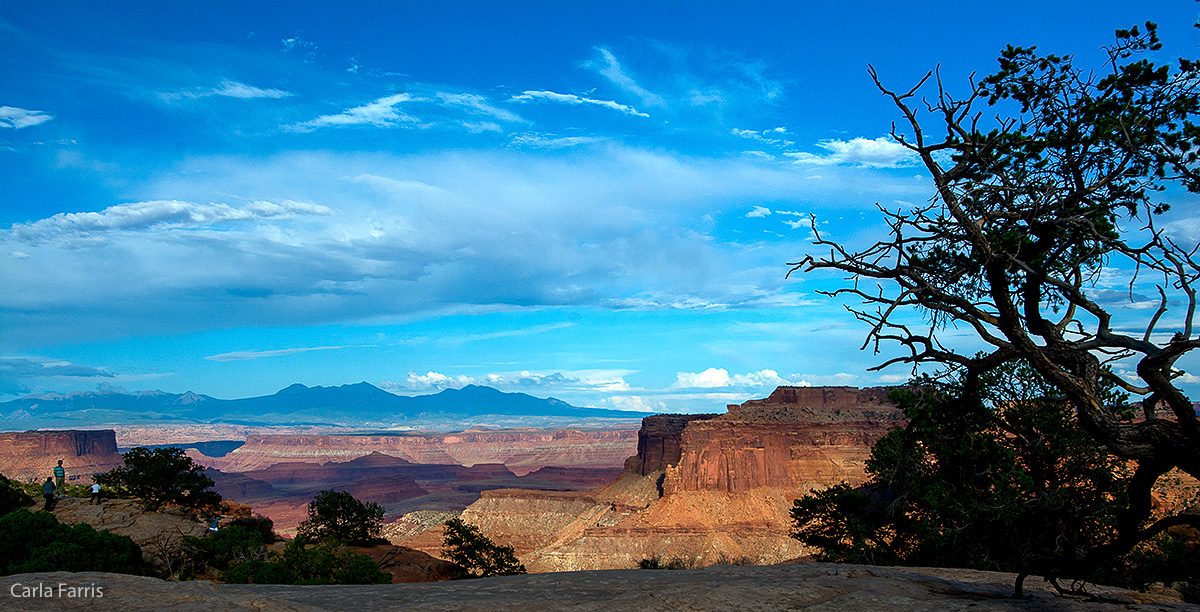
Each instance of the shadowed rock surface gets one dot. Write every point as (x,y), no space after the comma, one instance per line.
(796,587)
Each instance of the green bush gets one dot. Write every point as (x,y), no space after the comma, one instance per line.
(12,496)
(302,564)
(229,546)
(465,545)
(37,542)
(337,515)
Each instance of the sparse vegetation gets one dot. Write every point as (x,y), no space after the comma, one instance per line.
(160,477)
(337,515)
(465,545)
(654,562)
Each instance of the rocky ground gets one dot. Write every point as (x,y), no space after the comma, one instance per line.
(797,587)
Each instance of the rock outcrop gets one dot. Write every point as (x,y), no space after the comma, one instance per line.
(798,587)
(703,488)
(521,450)
(797,438)
(32,455)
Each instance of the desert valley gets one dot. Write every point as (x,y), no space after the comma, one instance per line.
(708,488)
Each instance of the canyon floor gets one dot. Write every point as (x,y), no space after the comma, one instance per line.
(795,587)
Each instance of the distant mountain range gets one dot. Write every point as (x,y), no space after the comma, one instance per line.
(356,405)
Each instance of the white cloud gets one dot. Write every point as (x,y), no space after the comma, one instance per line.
(528,96)
(759,211)
(882,152)
(143,215)
(17,118)
(604,381)
(714,378)
(380,113)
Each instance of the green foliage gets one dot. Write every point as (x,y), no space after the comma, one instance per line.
(37,542)
(12,496)
(229,546)
(1011,485)
(465,545)
(339,516)
(303,564)
(159,477)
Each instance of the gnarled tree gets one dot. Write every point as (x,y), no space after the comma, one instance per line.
(1030,209)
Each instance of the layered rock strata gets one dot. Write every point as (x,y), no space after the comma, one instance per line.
(703,488)
(32,455)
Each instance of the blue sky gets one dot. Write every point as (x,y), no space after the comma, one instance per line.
(589,200)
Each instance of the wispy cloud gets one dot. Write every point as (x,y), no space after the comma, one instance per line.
(537,329)
(380,113)
(759,211)
(142,215)
(228,89)
(248,355)
(550,141)
(610,68)
(882,152)
(17,118)
(573,99)
(478,104)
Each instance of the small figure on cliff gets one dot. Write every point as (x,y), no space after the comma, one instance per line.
(48,493)
(95,493)
(60,474)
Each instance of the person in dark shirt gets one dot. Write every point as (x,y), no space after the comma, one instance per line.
(48,493)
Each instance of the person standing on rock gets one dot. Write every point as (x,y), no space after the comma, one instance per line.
(95,493)
(60,474)
(48,493)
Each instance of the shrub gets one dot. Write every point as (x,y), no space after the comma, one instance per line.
(37,542)
(12,497)
(337,515)
(302,564)
(229,546)
(464,544)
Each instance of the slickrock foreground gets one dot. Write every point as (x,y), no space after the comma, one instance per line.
(797,587)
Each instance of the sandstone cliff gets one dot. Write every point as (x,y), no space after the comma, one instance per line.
(702,488)
(33,454)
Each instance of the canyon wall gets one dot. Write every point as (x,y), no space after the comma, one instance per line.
(33,454)
(704,489)
(522,451)
(797,438)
